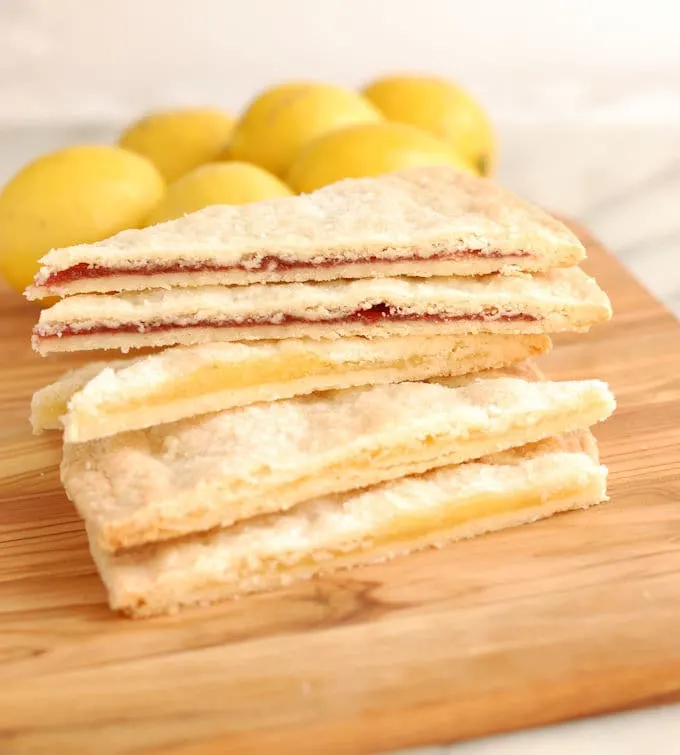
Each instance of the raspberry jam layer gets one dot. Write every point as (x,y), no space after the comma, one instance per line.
(269,264)
(377,313)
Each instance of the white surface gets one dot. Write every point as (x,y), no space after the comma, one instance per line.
(528,59)
(652,732)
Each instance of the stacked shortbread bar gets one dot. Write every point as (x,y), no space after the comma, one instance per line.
(337,378)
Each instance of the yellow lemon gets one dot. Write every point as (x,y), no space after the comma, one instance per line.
(72,196)
(257,111)
(281,121)
(217,183)
(368,149)
(443,109)
(178,141)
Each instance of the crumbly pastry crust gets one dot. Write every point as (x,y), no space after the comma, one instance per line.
(214,470)
(559,300)
(360,527)
(105,398)
(461,266)
(408,219)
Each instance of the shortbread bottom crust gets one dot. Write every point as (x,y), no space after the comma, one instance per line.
(341,532)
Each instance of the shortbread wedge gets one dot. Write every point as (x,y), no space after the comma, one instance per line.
(350,529)
(214,470)
(559,300)
(418,222)
(104,398)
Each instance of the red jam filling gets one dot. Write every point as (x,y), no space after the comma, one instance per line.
(369,316)
(270,264)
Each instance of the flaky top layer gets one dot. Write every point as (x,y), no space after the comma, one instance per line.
(538,295)
(197,472)
(103,398)
(393,518)
(417,213)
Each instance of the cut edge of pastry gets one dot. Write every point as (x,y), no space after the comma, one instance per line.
(579,320)
(560,300)
(468,267)
(409,217)
(157,519)
(103,399)
(163,578)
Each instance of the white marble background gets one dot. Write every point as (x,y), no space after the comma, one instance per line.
(105,60)
(585,95)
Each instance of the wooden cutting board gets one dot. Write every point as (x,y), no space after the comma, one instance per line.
(565,618)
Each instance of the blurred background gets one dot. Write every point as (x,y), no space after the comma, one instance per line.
(529,60)
(584,95)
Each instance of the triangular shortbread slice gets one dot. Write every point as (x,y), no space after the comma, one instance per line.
(340,531)
(216,469)
(419,222)
(559,300)
(104,398)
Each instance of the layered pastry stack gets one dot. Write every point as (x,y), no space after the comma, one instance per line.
(338,378)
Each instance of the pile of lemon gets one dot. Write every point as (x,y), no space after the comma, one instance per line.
(292,138)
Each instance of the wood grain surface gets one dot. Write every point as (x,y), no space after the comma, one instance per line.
(566,618)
